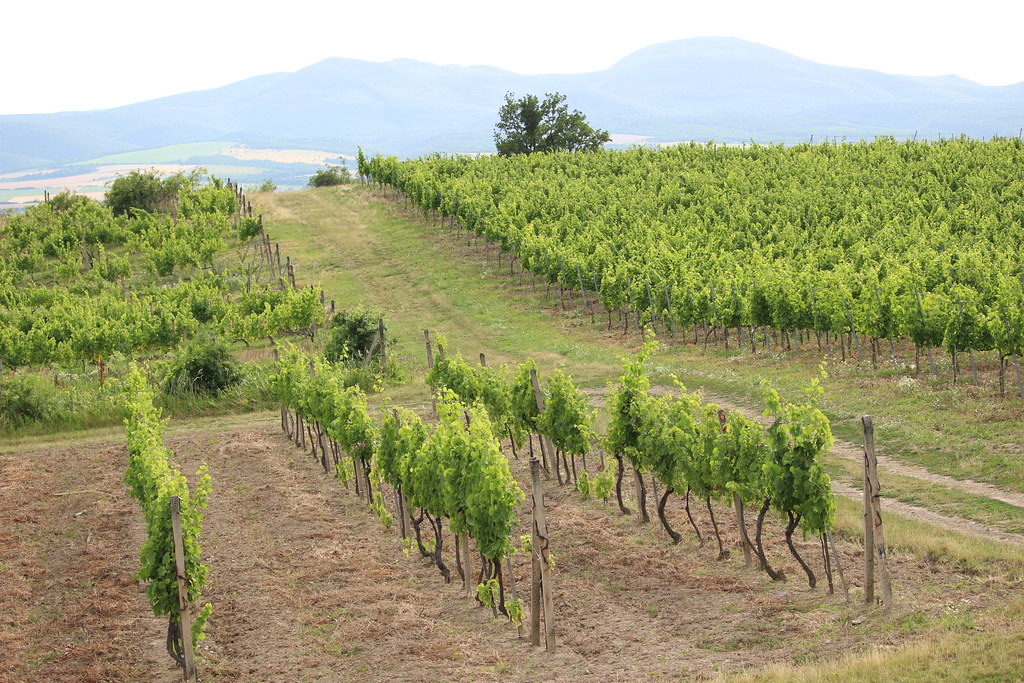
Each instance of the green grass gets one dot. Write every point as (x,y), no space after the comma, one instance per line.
(989,650)
(987,511)
(965,553)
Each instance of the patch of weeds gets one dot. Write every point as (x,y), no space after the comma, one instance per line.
(957,618)
(910,623)
(501,669)
(340,650)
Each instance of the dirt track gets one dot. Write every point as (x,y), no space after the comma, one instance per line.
(306,585)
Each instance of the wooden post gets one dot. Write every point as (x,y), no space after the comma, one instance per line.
(179,563)
(430,349)
(467,566)
(839,564)
(483,360)
(535,582)
(545,443)
(430,365)
(873,495)
(542,594)
(869,534)
(742,523)
(383,346)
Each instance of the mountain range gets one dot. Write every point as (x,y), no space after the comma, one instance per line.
(725,89)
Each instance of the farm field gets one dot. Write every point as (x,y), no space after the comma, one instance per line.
(307,586)
(92,177)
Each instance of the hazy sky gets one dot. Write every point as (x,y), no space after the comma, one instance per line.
(65,55)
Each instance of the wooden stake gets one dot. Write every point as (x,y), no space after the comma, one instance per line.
(839,565)
(467,566)
(179,563)
(383,346)
(878,547)
(641,499)
(741,522)
(545,444)
(430,365)
(543,595)
(869,534)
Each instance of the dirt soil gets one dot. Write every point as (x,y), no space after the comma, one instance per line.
(306,585)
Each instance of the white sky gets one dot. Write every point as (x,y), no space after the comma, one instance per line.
(64,55)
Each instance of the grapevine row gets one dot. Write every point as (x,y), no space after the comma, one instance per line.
(884,240)
(691,447)
(454,472)
(152,481)
(96,304)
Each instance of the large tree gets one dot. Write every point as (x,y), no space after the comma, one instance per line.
(529,125)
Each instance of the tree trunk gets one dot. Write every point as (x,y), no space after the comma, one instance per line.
(774,575)
(742,524)
(673,534)
(438,546)
(700,539)
(722,552)
(793,521)
(641,496)
(619,471)
(416,521)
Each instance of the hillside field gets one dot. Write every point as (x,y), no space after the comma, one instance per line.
(306,585)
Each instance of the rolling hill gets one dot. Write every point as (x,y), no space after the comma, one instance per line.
(695,89)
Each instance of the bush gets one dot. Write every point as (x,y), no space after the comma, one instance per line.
(266,186)
(248,228)
(202,367)
(350,334)
(143,190)
(67,200)
(31,403)
(332,175)
(25,399)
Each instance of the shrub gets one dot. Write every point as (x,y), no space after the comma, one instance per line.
(25,399)
(202,367)
(143,190)
(332,175)
(266,186)
(351,333)
(67,200)
(248,228)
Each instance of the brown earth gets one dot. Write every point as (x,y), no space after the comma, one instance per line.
(306,585)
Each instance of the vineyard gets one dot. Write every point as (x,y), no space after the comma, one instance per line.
(653,471)
(881,241)
(83,286)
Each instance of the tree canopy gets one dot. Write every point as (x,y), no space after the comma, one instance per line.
(528,125)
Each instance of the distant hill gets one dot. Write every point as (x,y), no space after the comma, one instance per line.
(695,89)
